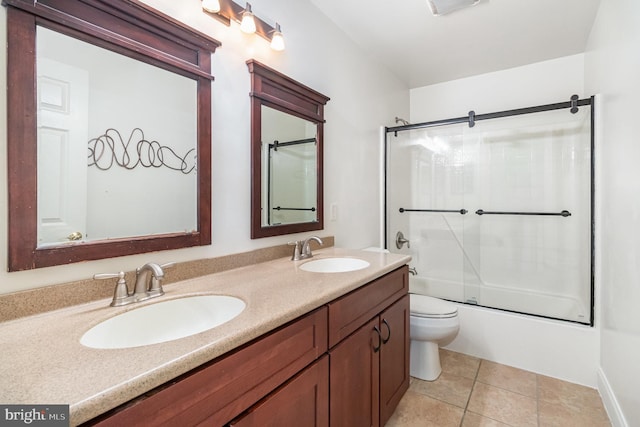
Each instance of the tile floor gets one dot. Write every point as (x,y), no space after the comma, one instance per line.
(473,392)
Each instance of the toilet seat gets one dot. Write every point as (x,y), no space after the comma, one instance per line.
(430,307)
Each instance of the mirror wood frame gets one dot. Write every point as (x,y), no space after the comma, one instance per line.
(127,27)
(280,92)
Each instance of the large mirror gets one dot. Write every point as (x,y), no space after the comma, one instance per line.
(286,147)
(117,144)
(108,132)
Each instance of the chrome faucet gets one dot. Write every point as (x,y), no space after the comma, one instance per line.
(144,288)
(306,249)
(302,249)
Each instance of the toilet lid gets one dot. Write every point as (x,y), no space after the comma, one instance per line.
(424,306)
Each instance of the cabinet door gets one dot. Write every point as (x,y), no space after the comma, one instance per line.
(303,401)
(394,357)
(354,379)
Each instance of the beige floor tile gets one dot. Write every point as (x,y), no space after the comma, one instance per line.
(503,405)
(578,398)
(418,410)
(475,420)
(507,377)
(496,396)
(449,388)
(555,415)
(459,364)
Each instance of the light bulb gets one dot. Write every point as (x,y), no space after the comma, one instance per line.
(277,40)
(248,25)
(212,6)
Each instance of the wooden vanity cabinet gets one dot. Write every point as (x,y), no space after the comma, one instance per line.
(344,364)
(369,369)
(222,389)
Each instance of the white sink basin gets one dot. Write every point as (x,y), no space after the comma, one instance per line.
(164,321)
(334,265)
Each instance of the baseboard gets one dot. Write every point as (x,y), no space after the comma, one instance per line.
(610,402)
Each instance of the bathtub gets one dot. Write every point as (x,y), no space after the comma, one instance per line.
(526,301)
(560,349)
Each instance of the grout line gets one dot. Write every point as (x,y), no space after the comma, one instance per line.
(537,401)
(473,386)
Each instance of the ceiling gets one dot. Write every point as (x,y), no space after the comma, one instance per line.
(422,49)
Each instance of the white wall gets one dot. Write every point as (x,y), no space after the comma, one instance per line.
(558,349)
(363,97)
(612,67)
(536,84)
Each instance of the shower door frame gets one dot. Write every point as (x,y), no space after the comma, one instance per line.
(470,119)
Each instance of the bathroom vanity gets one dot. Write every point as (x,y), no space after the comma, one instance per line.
(346,363)
(309,349)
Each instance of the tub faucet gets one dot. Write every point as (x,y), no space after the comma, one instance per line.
(400,240)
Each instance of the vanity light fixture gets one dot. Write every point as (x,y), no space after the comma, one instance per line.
(212,6)
(249,23)
(277,39)
(443,7)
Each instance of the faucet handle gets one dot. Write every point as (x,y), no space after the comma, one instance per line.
(103,276)
(296,250)
(121,292)
(168,265)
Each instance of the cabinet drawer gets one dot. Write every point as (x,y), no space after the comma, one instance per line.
(351,311)
(227,386)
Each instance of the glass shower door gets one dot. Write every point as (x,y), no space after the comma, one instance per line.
(528,235)
(498,214)
(425,199)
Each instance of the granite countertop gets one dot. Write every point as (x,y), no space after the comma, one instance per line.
(43,361)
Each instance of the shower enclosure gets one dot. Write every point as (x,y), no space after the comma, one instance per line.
(496,209)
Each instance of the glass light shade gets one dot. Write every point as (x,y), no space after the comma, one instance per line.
(277,40)
(444,7)
(212,6)
(248,24)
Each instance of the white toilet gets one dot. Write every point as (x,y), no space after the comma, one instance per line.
(433,322)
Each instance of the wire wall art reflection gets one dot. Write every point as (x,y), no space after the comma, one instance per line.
(110,149)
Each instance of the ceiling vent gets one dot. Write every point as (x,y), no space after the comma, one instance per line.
(443,7)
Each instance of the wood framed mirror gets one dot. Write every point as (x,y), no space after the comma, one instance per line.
(287,121)
(141,45)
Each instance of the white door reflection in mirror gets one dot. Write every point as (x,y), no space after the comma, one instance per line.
(289,168)
(129,168)
(62,151)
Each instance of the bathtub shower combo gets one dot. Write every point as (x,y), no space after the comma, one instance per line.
(497,209)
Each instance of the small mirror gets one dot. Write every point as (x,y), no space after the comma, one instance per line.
(286,148)
(289,159)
